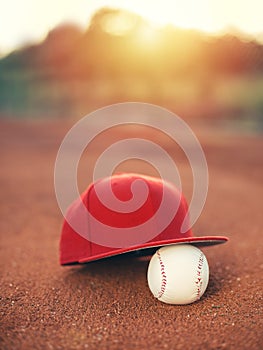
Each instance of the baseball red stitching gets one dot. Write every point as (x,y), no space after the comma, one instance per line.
(199,281)
(164,277)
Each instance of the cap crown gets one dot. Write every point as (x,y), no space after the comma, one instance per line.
(121,210)
(75,247)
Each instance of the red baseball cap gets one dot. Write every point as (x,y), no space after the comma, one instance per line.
(83,238)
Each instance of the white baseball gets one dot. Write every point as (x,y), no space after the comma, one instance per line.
(178,274)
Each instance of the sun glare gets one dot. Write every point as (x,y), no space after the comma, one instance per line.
(147,33)
(126,23)
(119,24)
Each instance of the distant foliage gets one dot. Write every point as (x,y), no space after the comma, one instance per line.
(68,52)
(120,57)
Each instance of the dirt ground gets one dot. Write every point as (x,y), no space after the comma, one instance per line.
(107,304)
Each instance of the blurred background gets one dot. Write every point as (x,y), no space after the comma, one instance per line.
(201,59)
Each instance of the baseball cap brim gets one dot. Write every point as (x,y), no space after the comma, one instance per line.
(149,247)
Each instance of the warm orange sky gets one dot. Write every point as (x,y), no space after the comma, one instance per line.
(30,20)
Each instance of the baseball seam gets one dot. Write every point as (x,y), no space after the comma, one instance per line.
(199,280)
(164,277)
